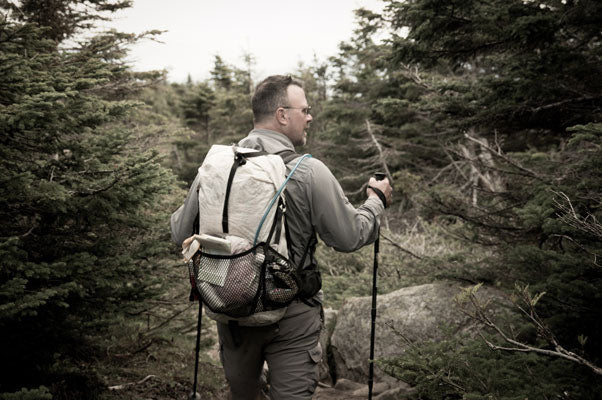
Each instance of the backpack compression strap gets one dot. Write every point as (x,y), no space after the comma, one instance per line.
(240,159)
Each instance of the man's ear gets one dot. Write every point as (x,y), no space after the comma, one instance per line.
(281,116)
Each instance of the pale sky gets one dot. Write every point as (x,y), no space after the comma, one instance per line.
(279,33)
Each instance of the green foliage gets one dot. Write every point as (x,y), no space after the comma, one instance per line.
(525,65)
(63,18)
(452,369)
(40,393)
(82,198)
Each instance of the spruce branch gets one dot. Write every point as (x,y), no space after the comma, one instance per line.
(447,379)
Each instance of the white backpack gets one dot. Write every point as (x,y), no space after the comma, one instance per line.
(239,264)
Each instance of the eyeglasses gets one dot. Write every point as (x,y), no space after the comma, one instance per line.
(304,110)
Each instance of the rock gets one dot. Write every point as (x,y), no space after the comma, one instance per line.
(418,313)
(347,385)
(396,393)
(377,388)
(333,394)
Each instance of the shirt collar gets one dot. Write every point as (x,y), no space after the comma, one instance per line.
(270,141)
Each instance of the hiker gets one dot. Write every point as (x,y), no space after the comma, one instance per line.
(315,204)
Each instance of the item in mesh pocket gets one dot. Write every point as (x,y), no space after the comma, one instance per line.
(240,289)
(214,272)
(281,288)
(281,283)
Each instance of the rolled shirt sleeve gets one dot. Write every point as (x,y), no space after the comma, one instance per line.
(339,224)
(182,220)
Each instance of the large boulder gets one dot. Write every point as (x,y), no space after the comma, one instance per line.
(419,313)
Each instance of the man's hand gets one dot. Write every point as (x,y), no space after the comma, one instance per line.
(383,186)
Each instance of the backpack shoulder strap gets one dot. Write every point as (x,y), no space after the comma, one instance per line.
(287,155)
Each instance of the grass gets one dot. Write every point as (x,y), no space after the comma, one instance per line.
(411,258)
(152,355)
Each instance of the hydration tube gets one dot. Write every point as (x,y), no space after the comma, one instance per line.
(276,197)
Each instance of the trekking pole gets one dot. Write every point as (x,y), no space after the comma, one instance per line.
(379,177)
(196,395)
(373,319)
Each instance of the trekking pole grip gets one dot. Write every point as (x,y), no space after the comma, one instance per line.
(379,176)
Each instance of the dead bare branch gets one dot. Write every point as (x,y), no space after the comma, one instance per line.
(126,385)
(388,239)
(413,74)
(588,224)
(167,320)
(595,261)
(479,314)
(131,353)
(498,153)
(378,147)
(563,102)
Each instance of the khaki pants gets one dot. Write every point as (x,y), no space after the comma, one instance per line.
(290,347)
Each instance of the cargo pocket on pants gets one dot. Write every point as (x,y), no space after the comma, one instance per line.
(315,356)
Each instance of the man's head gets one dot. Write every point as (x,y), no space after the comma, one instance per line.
(279,104)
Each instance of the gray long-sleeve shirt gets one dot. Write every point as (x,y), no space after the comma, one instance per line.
(315,203)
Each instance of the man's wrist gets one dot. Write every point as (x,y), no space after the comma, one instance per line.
(379,194)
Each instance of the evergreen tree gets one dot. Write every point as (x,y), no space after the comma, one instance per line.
(231,117)
(196,104)
(526,69)
(81,195)
(221,74)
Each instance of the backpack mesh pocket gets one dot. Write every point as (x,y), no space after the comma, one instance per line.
(281,281)
(239,285)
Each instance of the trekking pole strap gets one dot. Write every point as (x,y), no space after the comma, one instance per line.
(380,195)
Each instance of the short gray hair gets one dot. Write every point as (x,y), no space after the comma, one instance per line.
(270,94)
